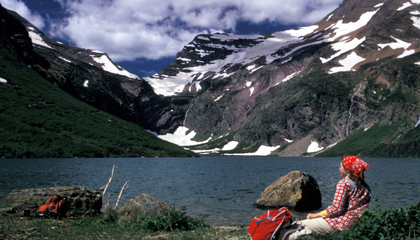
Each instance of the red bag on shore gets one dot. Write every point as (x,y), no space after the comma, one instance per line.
(57,204)
(268,225)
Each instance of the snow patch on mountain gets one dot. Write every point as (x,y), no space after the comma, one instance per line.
(348,63)
(230,146)
(217,99)
(271,58)
(303,31)
(244,55)
(287,78)
(37,39)
(251,91)
(204,152)
(64,59)
(343,46)
(314,147)
(253,68)
(181,138)
(109,66)
(341,29)
(197,86)
(184,59)
(279,45)
(262,151)
(417,124)
(399,44)
(404,6)
(416,18)
(329,17)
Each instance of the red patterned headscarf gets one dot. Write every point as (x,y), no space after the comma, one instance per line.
(355,165)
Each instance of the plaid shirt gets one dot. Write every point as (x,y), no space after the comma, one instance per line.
(348,204)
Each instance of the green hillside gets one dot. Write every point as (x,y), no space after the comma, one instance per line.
(39,120)
(378,141)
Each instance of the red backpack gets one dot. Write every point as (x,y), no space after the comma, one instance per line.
(268,225)
(57,204)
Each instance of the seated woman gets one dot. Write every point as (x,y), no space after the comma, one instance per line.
(351,197)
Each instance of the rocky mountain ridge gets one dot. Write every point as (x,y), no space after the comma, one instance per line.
(91,76)
(245,85)
(39,120)
(297,92)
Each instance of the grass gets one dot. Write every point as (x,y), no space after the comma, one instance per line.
(375,223)
(172,225)
(381,140)
(38,120)
(361,142)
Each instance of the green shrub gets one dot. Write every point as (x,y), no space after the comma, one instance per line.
(30,203)
(383,224)
(171,220)
(109,217)
(10,208)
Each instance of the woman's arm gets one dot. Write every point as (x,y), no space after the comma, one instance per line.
(340,200)
(314,215)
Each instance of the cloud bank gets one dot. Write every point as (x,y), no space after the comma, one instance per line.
(21,8)
(133,29)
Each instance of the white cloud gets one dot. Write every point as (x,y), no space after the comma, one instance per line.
(20,7)
(130,29)
(134,29)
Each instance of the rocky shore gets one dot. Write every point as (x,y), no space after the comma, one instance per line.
(296,190)
(82,200)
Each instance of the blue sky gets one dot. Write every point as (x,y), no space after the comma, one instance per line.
(143,36)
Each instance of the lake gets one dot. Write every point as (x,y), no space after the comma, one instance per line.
(219,190)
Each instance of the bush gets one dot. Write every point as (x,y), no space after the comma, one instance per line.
(9,208)
(109,217)
(171,220)
(383,224)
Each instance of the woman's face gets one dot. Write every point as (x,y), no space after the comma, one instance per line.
(343,171)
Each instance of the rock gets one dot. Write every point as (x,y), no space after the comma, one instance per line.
(80,198)
(297,190)
(144,203)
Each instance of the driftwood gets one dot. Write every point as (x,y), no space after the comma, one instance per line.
(105,187)
(119,196)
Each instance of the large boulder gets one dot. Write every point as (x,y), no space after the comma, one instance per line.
(144,203)
(297,190)
(81,199)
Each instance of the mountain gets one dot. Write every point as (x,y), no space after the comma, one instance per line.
(348,84)
(354,73)
(38,119)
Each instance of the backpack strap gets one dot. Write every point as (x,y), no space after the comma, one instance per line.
(293,228)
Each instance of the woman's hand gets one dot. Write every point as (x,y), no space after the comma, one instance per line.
(313,215)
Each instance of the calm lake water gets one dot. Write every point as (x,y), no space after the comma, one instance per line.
(219,190)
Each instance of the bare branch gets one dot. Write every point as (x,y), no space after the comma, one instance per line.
(109,181)
(105,187)
(122,189)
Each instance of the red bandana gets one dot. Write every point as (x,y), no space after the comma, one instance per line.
(355,165)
